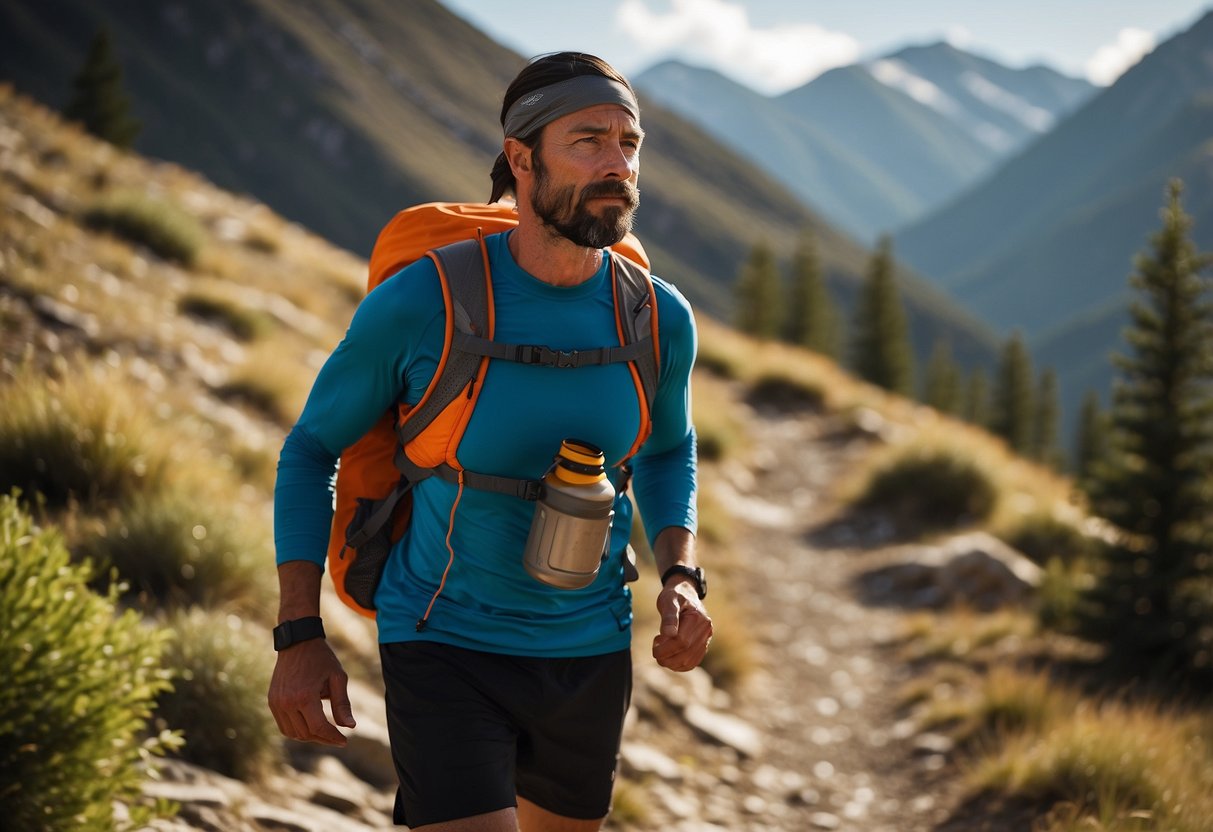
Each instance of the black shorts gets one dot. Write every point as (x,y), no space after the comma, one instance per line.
(472,730)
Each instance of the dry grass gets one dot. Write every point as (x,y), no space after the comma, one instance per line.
(1111,767)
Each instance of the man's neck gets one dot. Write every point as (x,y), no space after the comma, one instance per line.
(552,258)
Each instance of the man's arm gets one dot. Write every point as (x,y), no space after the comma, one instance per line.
(308,671)
(686,628)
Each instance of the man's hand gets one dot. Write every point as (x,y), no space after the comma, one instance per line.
(686,628)
(305,674)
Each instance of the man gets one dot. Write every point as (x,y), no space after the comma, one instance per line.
(506,696)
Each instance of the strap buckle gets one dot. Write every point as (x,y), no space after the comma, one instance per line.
(567,359)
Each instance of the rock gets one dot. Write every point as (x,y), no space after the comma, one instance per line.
(638,758)
(724,729)
(825,820)
(975,569)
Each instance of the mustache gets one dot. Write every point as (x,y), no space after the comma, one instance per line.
(612,188)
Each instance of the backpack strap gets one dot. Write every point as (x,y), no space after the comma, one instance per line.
(636,317)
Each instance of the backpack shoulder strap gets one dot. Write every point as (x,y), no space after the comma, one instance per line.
(636,317)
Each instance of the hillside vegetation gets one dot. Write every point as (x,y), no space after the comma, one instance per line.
(145,391)
(337,113)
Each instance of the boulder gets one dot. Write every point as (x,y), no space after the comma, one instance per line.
(976,570)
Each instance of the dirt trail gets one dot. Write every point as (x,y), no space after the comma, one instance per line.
(840,750)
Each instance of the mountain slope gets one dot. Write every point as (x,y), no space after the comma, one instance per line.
(876,145)
(1048,242)
(1074,167)
(337,113)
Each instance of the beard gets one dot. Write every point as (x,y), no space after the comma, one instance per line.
(572,219)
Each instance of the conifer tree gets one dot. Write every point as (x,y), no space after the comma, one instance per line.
(1091,440)
(99,101)
(1013,412)
(942,386)
(977,399)
(812,317)
(759,310)
(881,347)
(1153,601)
(1046,448)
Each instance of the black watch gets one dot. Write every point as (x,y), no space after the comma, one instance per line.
(300,629)
(696,575)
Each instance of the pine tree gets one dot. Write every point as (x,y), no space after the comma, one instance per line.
(99,101)
(882,344)
(1153,601)
(942,387)
(1013,411)
(812,317)
(758,304)
(1046,448)
(977,399)
(1091,440)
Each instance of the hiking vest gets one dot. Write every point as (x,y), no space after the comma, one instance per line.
(413,442)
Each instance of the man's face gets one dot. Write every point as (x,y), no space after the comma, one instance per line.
(600,147)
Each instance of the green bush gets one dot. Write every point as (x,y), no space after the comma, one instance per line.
(930,488)
(218,701)
(85,440)
(243,323)
(175,550)
(79,683)
(160,226)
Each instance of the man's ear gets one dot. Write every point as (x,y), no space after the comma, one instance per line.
(518,155)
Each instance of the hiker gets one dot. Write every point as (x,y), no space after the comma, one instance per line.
(507,674)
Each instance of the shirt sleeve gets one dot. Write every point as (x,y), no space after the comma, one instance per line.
(665,469)
(368,373)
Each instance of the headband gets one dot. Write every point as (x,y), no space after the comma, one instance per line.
(531,112)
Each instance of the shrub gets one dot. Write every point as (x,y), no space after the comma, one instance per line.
(930,487)
(786,394)
(160,226)
(243,323)
(1042,537)
(79,683)
(176,550)
(218,701)
(84,440)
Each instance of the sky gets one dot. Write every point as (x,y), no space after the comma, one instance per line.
(777,45)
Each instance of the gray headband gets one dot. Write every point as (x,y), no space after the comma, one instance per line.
(531,112)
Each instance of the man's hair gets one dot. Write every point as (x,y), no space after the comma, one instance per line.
(541,72)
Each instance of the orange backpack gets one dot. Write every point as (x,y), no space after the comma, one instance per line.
(412,442)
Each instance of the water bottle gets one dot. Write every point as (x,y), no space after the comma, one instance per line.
(571,531)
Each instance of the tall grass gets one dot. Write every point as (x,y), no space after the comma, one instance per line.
(1112,767)
(78,437)
(175,550)
(218,700)
(161,226)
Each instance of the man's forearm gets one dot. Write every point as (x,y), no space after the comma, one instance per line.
(299,589)
(674,544)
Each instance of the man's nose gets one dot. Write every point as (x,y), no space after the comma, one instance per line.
(620,161)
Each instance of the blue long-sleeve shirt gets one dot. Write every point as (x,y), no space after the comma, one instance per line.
(489,602)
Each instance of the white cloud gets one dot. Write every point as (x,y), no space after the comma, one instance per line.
(719,34)
(1110,61)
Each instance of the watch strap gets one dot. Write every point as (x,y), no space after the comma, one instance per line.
(694,573)
(297,630)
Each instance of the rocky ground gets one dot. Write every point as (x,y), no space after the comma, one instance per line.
(817,739)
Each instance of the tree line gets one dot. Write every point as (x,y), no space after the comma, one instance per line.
(1145,464)
(797,307)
